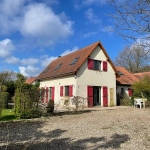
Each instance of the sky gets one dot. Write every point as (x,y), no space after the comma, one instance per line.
(35,32)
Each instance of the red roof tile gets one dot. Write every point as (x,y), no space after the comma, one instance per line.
(30,80)
(126,78)
(64,61)
(141,75)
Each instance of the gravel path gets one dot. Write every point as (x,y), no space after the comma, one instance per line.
(127,129)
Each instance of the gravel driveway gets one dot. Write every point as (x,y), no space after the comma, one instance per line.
(127,129)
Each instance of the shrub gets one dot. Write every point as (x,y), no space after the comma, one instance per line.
(50,106)
(4,99)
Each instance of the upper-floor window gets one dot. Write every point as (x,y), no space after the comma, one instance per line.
(96,65)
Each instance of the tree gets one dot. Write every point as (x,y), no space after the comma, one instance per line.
(20,79)
(134,59)
(132,20)
(7,76)
(142,88)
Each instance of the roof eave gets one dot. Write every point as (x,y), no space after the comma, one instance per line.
(57,76)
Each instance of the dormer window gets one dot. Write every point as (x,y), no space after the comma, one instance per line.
(58,66)
(74,61)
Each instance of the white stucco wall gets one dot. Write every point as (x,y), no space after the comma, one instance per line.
(86,77)
(57,82)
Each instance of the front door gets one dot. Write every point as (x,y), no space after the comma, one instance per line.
(96,92)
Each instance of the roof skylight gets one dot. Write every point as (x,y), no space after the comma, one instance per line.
(45,70)
(120,73)
(58,66)
(74,61)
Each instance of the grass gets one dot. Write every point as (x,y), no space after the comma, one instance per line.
(8,115)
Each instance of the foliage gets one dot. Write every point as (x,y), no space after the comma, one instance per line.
(4,99)
(50,106)
(20,80)
(134,59)
(132,20)
(27,102)
(6,76)
(10,87)
(142,88)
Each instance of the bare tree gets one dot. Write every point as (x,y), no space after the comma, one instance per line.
(134,58)
(7,76)
(132,20)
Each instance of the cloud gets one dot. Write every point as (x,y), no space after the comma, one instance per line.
(29,61)
(107,29)
(68,51)
(87,35)
(46,61)
(29,70)
(82,3)
(35,21)
(91,16)
(6,47)
(95,2)
(12,60)
(44,25)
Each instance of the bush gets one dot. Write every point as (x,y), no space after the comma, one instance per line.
(32,113)
(50,106)
(4,99)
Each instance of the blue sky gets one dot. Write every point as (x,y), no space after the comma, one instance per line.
(34,32)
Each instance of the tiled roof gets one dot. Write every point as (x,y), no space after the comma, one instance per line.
(65,68)
(141,74)
(30,80)
(126,78)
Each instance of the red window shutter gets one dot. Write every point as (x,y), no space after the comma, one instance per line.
(46,94)
(70,91)
(130,92)
(61,90)
(104,65)
(90,64)
(53,93)
(105,96)
(90,96)
(42,94)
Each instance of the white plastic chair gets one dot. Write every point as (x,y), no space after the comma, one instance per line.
(138,102)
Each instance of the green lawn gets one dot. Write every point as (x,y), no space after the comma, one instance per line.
(8,114)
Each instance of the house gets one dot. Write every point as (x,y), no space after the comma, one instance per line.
(31,80)
(123,83)
(141,75)
(87,72)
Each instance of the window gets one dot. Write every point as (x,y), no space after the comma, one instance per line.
(94,64)
(51,93)
(58,66)
(66,90)
(74,61)
(122,90)
(69,90)
(120,73)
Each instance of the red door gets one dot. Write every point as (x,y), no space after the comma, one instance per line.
(90,96)
(105,96)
